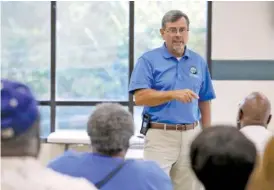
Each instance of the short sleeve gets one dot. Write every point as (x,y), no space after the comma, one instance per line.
(207,91)
(141,76)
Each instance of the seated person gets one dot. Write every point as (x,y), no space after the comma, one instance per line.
(20,145)
(263,176)
(253,118)
(110,128)
(222,158)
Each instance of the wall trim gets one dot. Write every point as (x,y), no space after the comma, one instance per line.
(242,69)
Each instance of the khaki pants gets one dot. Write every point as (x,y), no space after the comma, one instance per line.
(170,149)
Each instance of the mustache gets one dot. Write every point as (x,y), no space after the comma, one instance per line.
(181,42)
(178,40)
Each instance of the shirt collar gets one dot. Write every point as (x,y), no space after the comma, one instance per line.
(167,55)
(253,127)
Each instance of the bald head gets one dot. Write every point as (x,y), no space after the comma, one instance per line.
(255,110)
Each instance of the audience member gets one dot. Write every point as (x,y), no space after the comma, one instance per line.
(253,118)
(110,128)
(263,176)
(20,145)
(222,158)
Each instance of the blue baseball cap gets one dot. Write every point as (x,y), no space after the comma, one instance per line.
(19,110)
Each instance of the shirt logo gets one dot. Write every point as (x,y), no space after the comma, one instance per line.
(193,70)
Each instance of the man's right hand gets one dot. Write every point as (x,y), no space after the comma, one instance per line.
(184,96)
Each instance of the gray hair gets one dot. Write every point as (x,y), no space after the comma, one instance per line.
(26,144)
(173,16)
(110,128)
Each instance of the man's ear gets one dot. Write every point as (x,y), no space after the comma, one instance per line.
(240,115)
(269,119)
(162,31)
(239,118)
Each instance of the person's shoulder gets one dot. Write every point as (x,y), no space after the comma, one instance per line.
(153,53)
(33,175)
(150,168)
(256,131)
(153,176)
(269,132)
(69,156)
(61,181)
(250,132)
(196,55)
(153,167)
(193,53)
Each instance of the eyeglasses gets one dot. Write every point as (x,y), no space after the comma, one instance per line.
(174,31)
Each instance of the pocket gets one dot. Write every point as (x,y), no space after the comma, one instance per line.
(157,139)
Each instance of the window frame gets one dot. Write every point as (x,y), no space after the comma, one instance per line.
(53,103)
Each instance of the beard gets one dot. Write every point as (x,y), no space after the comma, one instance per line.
(178,45)
(178,48)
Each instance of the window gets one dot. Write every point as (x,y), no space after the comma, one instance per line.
(75,55)
(44,121)
(73,117)
(137,118)
(25,44)
(92,51)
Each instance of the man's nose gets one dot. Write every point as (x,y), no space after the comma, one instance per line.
(178,33)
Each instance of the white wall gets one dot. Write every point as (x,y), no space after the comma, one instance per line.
(229,95)
(243,30)
(240,31)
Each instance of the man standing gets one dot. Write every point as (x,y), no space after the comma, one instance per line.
(174,86)
(253,117)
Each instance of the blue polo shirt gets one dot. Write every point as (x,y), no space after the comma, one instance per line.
(159,70)
(135,175)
